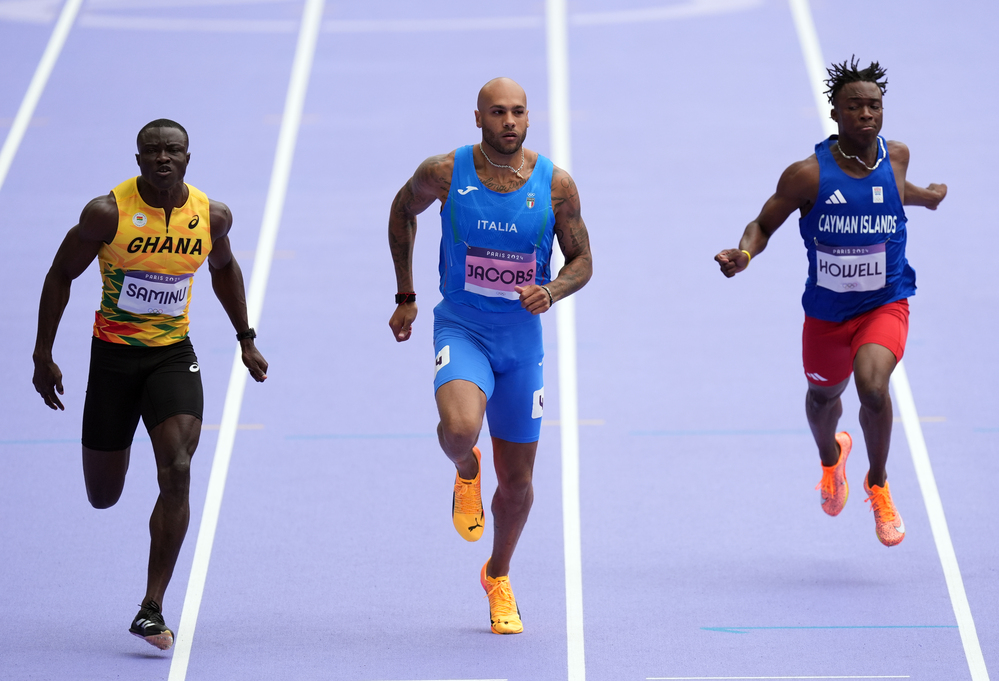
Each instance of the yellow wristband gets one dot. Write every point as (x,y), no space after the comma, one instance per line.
(748,255)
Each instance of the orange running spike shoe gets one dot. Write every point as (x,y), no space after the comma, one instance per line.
(833,486)
(466,504)
(887,522)
(504,615)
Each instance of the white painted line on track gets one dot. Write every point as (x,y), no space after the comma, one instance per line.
(37,85)
(938,524)
(815,66)
(557,33)
(280,174)
(745,678)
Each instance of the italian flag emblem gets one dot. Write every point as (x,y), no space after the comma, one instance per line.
(530,200)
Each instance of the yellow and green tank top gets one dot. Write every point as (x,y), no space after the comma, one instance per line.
(148,268)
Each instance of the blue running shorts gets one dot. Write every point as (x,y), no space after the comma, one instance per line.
(502,353)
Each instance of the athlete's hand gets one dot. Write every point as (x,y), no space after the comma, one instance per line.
(533,298)
(732,261)
(937,194)
(48,380)
(253,360)
(402,321)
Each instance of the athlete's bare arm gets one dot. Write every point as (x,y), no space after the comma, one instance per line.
(929,196)
(431,182)
(573,239)
(98,224)
(227,282)
(796,190)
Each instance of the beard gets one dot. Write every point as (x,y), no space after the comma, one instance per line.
(503,146)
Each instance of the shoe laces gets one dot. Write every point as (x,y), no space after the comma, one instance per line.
(881,504)
(501,600)
(828,483)
(466,501)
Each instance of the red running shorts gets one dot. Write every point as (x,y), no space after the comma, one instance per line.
(829,348)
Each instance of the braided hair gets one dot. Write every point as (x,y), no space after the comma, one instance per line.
(841,74)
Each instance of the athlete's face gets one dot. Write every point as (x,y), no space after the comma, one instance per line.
(162,157)
(502,115)
(858,112)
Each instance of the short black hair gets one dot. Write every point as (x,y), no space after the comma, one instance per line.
(163,123)
(841,74)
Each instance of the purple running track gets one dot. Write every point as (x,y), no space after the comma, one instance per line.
(705,552)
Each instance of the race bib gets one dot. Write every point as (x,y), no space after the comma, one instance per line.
(850,268)
(494,273)
(152,293)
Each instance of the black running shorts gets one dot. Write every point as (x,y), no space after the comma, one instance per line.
(127,382)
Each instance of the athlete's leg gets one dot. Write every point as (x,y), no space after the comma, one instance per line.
(823,407)
(104,475)
(512,502)
(872,367)
(462,406)
(174,441)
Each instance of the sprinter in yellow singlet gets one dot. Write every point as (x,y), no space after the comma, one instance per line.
(150,235)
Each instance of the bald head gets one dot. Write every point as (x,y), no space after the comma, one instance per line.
(501,90)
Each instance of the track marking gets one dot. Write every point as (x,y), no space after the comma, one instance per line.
(557,35)
(37,86)
(743,630)
(815,66)
(280,174)
(735,678)
(98,16)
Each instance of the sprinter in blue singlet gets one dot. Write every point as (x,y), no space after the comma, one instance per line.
(501,208)
(850,195)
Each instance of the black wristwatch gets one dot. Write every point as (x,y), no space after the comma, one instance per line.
(401,298)
(243,335)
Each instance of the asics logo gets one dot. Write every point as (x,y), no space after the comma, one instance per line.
(467,189)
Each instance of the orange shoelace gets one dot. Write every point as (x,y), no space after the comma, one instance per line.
(501,600)
(881,504)
(466,501)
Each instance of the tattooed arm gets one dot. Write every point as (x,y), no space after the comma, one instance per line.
(574,242)
(430,182)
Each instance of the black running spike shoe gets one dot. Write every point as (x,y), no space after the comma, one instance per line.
(148,624)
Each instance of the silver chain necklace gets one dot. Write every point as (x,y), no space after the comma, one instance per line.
(516,171)
(884,155)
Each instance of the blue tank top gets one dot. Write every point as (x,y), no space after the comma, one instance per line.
(492,242)
(855,236)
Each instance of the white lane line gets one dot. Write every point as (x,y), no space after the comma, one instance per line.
(938,524)
(557,32)
(815,65)
(42,72)
(280,173)
(745,678)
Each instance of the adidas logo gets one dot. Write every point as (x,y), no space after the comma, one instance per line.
(815,376)
(836,197)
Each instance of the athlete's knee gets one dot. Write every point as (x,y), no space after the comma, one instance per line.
(101,498)
(460,432)
(175,477)
(873,395)
(515,484)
